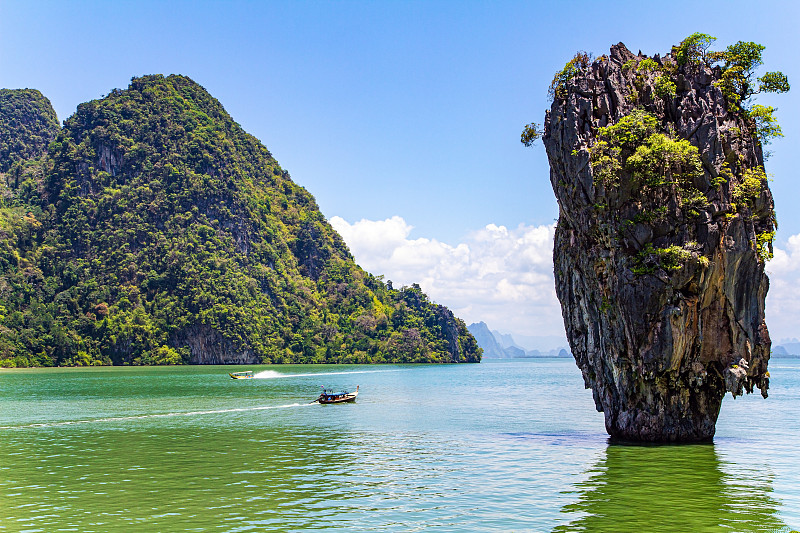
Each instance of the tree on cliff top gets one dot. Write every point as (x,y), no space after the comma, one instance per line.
(739,63)
(694,48)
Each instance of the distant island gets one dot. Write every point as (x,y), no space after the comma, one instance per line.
(498,345)
(152,229)
(788,349)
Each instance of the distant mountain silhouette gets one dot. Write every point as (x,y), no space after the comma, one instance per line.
(498,345)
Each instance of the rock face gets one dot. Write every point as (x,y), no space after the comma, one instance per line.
(208,347)
(659,266)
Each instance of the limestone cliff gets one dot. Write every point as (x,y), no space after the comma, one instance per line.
(157,231)
(665,221)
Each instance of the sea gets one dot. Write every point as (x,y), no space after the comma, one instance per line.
(505,446)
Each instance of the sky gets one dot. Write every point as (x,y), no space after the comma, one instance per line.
(403,118)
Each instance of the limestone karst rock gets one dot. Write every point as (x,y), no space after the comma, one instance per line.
(665,221)
(152,229)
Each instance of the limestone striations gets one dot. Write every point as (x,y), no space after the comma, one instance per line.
(665,221)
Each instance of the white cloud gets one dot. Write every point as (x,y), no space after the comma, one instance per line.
(783,298)
(499,275)
(786,261)
(505,276)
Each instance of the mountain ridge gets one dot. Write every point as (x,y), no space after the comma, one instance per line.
(162,232)
(498,345)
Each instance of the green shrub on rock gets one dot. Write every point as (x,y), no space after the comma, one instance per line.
(557,87)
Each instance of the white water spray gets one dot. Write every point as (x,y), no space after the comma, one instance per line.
(160,415)
(271,374)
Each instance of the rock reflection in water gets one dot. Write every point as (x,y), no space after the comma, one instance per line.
(672,488)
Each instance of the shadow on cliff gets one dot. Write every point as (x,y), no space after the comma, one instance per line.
(672,488)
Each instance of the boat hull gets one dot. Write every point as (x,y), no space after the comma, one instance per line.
(337,398)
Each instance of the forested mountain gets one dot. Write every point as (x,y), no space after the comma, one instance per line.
(157,231)
(27,125)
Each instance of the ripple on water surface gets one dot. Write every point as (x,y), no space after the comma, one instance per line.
(492,447)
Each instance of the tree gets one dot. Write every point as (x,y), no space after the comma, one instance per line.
(766,125)
(694,48)
(741,60)
(773,82)
(558,87)
(530,134)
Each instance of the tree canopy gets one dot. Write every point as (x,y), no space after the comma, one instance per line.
(161,231)
(27,125)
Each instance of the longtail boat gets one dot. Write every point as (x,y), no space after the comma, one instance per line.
(337,397)
(241,375)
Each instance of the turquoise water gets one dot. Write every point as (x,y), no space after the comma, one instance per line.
(500,446)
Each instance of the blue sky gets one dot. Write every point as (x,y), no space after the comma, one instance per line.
(404,117)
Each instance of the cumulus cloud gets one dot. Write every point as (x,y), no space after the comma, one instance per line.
(504,276)
(501,276)
(783,298)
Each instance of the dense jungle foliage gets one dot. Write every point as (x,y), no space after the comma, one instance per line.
(27,125)
(156,231)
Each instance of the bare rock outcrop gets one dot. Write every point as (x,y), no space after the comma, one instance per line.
(207,346)
(665,221)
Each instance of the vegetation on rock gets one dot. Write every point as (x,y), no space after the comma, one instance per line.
(738,64)
(27,125)
(558,86)
(665,222)
(161,232)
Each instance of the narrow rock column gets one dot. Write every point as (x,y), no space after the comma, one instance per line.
(665,220)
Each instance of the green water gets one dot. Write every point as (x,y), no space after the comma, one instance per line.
(500,446)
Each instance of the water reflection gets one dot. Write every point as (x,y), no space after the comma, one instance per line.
(189,449)
(672,488)
(165,478)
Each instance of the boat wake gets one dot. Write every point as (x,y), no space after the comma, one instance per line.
(271,374)
(159,415)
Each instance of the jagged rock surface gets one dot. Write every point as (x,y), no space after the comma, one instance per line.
(659,349)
